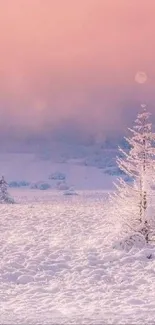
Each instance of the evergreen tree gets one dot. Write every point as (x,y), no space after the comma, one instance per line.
(4,195)
(134,201)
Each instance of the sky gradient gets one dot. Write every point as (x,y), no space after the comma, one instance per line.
(69,62)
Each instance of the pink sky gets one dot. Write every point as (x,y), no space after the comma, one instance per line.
(65,59)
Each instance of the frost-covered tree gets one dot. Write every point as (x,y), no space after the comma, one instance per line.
(133,201)
(4,195)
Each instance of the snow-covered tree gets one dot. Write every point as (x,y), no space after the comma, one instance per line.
(4,195)
(133,201)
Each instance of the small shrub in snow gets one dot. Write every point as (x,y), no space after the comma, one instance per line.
(40,186)
(10,200)
(129,242)
(62,186)
(33,186)
(18,184)
(128,179)
(113,171)
(70,191)
(44,186)
(13,184)
(57,176)
(23,183)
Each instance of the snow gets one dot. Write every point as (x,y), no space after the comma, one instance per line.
(58,266)
(58,263)
(19,169)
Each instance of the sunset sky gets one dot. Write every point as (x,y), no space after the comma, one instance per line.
(69,61)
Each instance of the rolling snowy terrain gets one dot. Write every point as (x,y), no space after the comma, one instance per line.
(58,265)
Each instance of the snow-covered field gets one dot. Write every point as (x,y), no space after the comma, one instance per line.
(57,264)
(28,167)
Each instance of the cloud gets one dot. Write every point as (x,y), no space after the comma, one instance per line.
(74,61)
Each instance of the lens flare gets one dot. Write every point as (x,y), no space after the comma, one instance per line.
(141,77)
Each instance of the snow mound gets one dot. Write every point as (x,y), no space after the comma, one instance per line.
(9,200)
(70,191)
(25,279)
(130,242)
